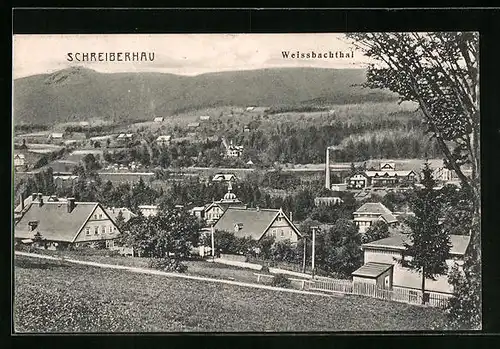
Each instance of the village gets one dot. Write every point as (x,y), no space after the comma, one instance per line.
(210,192)
(62,223)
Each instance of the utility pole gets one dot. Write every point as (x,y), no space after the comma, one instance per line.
(313,249)
(213,243)
(304,255)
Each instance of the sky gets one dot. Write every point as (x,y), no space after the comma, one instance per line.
(184,54)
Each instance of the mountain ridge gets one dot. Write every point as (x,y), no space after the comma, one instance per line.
(78,93)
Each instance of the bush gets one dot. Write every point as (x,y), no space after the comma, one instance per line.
(264,269)
(281,280)
(167,264)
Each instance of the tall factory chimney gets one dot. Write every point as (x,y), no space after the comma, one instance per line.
(327,174)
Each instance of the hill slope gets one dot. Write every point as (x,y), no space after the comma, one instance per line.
(79,94)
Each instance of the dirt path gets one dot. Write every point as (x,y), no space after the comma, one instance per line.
(174,275)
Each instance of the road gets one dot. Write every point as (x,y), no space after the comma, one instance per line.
(167,274)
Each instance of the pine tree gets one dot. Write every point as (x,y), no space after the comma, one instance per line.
(429,244)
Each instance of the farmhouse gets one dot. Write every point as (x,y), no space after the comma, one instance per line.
(163,140)
(19,160)
(382,267)
(205,117)
(214,210)
(257,223)
(250,108)
(224,177)
(371,212)
(62,223)
(193,124)
(158,119)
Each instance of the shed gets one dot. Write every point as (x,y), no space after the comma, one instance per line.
(379,274)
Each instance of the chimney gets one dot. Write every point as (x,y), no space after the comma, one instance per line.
(40,199)
(70,204)
(33,196)
(257,208)
(291,217)
(22,202)
(327,179)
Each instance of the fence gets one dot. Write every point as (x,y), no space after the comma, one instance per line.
(396,294)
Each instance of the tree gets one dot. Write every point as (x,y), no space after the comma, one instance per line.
(341,246)
(282,251)
(171,233)
(439,71)
(429,245)
(120,220)
(379,230)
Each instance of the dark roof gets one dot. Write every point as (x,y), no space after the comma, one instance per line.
(254,222)
(372,269)
(54,221)
(459,243)
(373,207)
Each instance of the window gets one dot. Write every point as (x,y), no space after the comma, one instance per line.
(281,233)
(100,216)
(87,231)
(96,230)
(291,233)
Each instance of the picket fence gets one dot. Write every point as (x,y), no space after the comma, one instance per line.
(396,294)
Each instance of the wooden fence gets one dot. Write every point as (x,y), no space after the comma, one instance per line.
(396,294)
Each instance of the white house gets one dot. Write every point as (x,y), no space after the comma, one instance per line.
(371,212)
(19,160)
(205,117)
(148,210)
(163,140)
(381,265)
(158,119)
(224,177)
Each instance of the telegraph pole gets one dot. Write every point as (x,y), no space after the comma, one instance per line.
(213,243)
(304,256)
(313,249)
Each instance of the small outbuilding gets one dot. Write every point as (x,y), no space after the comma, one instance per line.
(379,274)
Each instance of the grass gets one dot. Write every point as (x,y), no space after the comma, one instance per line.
(53,296)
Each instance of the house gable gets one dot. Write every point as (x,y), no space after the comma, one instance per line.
(281,228)
(98,221)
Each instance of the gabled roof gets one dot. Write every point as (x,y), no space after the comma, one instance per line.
(20,156)
(45,198)
(252,222)
(389,218)
(373,208)
(113,212)
(54,221)
(223,176)
(459,243)
(390,173)
(372,269)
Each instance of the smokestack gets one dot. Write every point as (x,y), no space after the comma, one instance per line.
(70,204)
(40,199)
(327,179)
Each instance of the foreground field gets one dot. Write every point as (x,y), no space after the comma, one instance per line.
(59,297)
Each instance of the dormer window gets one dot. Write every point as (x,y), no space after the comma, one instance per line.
(238,227)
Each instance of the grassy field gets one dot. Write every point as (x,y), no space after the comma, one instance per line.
(52,296)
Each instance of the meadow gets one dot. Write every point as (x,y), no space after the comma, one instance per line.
(54,296)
